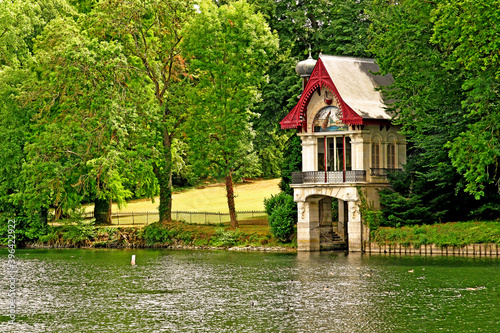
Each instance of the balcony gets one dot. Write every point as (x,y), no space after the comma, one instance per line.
(383,172)
(329,177)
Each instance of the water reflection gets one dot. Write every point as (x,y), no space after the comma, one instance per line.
(217,291)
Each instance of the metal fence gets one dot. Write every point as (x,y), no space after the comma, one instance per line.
(329,177)
(145,218)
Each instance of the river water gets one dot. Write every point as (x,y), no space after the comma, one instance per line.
(75,290)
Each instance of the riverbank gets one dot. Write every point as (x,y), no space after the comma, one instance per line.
(174,235)
(456,238)
(453,234)
(459,238)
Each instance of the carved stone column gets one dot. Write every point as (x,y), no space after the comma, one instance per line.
(309,154)
(355,227)
(308,226)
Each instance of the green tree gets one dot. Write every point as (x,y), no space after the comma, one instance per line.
(468,31)
(20,23)
(82,146)
(228,64)
(150,34)
(428,94)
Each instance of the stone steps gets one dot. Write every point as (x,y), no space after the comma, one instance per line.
(330,240)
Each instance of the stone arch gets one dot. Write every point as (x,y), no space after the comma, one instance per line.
(392,138)
(315,218)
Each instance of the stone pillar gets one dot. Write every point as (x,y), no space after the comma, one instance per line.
(342,224)
(325,224)
(308,226)
(309,154)
(355,228)
(357,152)
(326,212)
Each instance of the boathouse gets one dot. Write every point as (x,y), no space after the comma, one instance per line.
(349,144)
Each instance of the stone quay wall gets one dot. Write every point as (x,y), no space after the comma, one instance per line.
(477,250)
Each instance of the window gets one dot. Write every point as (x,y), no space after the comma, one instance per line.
(391,156)
(334,151)
(376,155)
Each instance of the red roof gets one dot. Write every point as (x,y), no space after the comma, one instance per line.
(297,118)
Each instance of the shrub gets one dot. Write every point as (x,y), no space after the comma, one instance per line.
(281,223)
(223,237)
(282,212)
(155,233)
(80,233)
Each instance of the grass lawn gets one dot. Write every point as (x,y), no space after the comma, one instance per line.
(211,198)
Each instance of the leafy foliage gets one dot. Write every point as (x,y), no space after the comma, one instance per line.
(224,237)
(468,31)
(149,32)
(291,163)
(282,215)
(449,234)
(431,96)
(227,78)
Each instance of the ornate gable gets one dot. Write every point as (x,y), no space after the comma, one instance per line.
(297,118)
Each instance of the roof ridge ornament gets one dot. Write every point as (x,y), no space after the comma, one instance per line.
(305,67)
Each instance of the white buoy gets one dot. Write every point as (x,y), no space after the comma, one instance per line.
(133,259)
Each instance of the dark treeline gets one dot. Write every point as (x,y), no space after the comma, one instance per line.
(105,101)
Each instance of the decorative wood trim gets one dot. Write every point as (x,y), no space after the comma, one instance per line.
(297,118)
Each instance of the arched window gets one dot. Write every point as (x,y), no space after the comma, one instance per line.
(392,152)
(376,153)
(391,155)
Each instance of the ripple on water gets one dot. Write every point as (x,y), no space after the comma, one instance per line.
(216,291)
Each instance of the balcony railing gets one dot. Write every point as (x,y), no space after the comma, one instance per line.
(383,172)
(328,177)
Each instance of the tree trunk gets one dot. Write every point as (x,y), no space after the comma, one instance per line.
(164,176)
(164,180)
(230,200)
(43,216)
(102,211)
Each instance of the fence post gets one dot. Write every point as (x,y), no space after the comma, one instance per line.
(220,218)
(118,218)
(205,217)
(147,218)
(190,217)
(133,222)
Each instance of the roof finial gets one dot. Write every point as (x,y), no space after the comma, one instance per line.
(310,56)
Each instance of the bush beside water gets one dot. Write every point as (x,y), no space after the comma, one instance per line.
(282,212)
(456,234)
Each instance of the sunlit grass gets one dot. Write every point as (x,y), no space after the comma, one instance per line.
(212,198)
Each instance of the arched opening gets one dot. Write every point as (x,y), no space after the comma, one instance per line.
(333,224)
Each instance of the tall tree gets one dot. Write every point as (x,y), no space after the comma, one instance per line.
(469,31)
(228,64)
(150,34)
(20,23)
(428,95)
(82,142)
